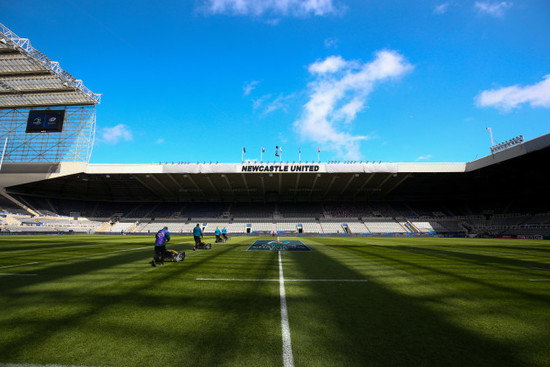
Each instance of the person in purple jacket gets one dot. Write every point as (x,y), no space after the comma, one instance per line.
(161,238)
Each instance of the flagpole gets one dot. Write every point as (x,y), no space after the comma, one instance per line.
(242,156)
(318,155)
(299,155)
(262,155)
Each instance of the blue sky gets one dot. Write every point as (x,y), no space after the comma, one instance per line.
(397,81)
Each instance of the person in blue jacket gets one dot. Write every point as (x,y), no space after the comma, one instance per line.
(218,233)
(224,234)
(197,234)
(161,238)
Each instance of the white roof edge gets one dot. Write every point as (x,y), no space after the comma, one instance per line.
(123,168)
(442,167)
(194,168)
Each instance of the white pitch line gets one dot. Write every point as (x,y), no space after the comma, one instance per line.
(539,280)
(288,358)
(13,266)
(286,280)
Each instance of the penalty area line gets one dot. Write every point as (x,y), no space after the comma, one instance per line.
(278,280)
(539,280)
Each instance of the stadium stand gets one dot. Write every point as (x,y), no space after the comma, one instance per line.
(48,185)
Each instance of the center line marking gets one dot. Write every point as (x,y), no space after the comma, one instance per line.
(288,358)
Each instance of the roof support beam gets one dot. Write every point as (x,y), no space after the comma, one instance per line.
(330,186)
(246,185)
(171,177)
(398,183)
(313,184)
(390,175)
(167,190)
(297,184)
(213,186)
(365,184)
(348,183)
(194,184)
(145,184)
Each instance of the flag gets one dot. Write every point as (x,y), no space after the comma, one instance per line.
(276,150)
(244,150)
(318,150)
(281,149)
(263,150)
(299,150)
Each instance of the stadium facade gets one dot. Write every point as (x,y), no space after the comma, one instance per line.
(47,128)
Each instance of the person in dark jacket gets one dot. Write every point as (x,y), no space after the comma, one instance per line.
(161,238)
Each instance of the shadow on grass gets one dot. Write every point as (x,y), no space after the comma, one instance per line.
(481,260)
(368,324)
(158,320)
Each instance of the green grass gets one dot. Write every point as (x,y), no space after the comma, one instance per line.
(95,301)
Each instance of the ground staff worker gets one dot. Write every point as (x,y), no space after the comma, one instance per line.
(161,238)
(218,238)
(197,234)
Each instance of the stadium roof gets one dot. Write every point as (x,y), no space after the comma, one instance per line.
(517,171)
(30,79)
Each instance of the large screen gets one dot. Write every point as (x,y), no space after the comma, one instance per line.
(45,121)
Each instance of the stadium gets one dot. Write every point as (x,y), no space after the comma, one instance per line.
(404,263)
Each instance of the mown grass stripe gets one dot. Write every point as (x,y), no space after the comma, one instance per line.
(38,365)
(13,266)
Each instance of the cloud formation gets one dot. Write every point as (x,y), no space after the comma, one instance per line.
(249,87)
(267,104)
(424,157)
(442,8)
(116,134)
(507,98)
(338,93)
(491,8)
(296,8)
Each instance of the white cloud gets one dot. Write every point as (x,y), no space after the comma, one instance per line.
(115,134)
(266,104)
(331,43)
(249,87)
(495,9)
(160,141)
(442,8)
(272,7)
(507,98)
(338,92)
(424,157)
(329,65)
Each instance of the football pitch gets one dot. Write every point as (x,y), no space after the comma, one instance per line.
(95,301)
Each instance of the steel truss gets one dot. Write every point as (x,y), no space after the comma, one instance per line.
(73,144)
